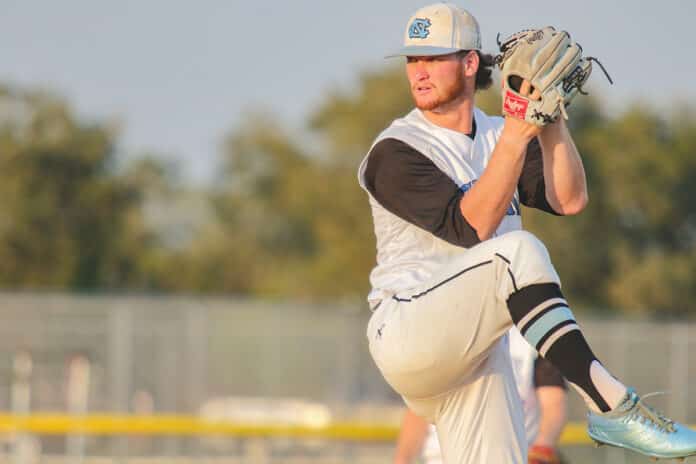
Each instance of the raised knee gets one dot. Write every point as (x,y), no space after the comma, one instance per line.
(528,260)
(524,238)
(527,242)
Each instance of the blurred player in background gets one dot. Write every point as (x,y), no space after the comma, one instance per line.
(542,392)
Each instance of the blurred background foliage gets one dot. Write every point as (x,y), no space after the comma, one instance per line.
(286,218)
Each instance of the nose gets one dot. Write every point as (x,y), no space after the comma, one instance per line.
(420,71)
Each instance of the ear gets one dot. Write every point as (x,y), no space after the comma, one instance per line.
(471,63)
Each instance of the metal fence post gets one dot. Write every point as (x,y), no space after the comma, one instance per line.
(22,367)
(679,372)
(120,351)
(196,319)
(77,403)
(169,377)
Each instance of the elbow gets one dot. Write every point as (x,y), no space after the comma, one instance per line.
(576,206)
(476,233)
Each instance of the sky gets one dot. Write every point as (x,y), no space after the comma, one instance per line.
(178,76)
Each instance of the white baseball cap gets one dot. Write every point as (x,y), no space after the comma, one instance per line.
(440,29)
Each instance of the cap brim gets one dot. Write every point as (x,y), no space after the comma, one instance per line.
(419,50)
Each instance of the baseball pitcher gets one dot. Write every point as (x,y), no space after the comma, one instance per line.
(454,268)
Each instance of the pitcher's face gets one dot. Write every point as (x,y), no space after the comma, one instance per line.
(437,80)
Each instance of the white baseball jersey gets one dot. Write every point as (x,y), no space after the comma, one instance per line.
(406,254)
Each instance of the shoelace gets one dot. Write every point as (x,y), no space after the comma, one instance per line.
(654,416)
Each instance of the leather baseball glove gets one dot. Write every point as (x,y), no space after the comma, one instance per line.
(554,66)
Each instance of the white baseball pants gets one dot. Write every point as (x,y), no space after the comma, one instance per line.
(441,347)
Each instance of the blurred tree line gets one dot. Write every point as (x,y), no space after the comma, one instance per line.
(287,219)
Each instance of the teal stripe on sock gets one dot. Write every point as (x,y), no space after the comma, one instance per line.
(545,323)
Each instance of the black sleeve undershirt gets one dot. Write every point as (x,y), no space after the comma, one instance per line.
(546,375)
(409,185)
(531,186)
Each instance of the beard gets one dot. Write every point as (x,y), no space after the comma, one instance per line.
(448,95)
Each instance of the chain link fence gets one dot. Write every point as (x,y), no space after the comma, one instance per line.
(251,361)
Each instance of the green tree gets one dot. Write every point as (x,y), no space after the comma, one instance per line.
(264,238)
(68,220)
(649,166)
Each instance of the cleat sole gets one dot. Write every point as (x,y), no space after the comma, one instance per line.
(598,443)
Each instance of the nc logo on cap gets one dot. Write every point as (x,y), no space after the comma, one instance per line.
(419,28)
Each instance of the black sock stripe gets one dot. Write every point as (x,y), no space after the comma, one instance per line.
(531,296)
(537,316)
(449,279)
(553,330)
(597,397)
(573,357)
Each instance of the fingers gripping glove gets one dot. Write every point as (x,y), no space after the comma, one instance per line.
(554,66)
(542,455)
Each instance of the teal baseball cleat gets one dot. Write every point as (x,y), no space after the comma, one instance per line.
(635,426)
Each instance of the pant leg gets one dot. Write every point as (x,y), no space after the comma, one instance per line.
(483,421)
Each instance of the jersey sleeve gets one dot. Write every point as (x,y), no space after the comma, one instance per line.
(531,186)
(547,375)
(409,185)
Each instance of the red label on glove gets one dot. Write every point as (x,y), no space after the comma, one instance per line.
(515,106)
